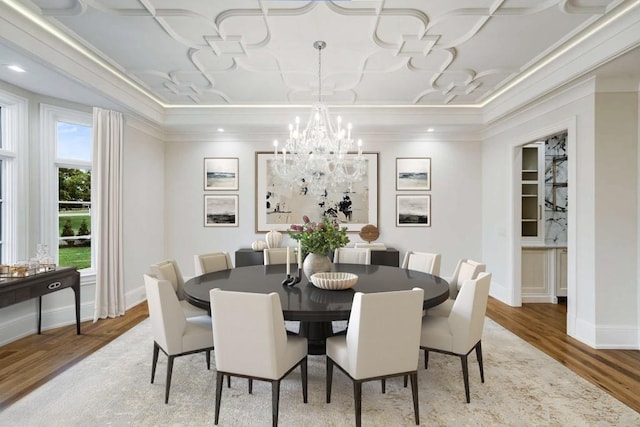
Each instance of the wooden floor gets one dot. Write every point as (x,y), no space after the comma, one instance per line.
(544,327)
(32,361)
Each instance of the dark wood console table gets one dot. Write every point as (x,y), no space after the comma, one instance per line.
(17,289)
(246,257)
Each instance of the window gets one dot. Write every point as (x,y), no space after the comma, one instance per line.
(13,178)
(68,143)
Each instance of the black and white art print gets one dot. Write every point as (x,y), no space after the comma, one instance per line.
(413,173)
(280,204)
(413,210)
(221,211)
(220,173)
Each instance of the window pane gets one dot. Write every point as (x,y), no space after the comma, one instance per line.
(74,217)
(74,141)
(1,208)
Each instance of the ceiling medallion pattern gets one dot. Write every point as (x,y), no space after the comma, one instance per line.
(243,52)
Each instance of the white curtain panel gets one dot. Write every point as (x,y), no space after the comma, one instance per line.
(107,207)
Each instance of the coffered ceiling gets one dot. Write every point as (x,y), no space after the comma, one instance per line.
(379,52)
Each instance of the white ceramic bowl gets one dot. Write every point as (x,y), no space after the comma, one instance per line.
(334,281)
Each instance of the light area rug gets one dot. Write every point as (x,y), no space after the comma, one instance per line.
(524,387)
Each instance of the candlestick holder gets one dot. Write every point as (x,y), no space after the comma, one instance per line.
(292,280)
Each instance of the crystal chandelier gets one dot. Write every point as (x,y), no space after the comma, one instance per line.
(316,157)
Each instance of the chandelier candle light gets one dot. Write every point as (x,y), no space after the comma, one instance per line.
(317,156)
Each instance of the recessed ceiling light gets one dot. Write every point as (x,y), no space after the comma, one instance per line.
(16,68)
(430,130)
(220,129)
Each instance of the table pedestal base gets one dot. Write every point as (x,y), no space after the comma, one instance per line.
(316,334)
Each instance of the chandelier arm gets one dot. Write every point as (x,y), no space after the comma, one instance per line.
(316,160)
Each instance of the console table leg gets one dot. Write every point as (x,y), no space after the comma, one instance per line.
(39,314)
(76,291)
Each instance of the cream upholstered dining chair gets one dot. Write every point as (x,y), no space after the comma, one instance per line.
(372,347)
(278,256)
(352,256)
(251,342)
(211,262)
(465,269)
(169,270)
(173,333)
(422,261)
(461,332)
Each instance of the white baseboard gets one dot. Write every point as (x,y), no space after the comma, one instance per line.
(617,337)
(539,299)
(607,337)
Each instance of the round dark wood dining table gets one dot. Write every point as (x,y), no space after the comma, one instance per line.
(315,308)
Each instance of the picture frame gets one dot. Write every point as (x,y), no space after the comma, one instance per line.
(279,204)
(413,210)
(413,173)
(220,173)
(221,210)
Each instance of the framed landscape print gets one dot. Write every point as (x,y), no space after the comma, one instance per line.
(221,211)
(413,173)
(413,210)
(280,204)
(220,173)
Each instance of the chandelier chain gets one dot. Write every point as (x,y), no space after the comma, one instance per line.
(319,73)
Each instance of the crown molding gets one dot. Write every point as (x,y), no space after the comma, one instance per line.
(615,35)
(46,44)
(578,90)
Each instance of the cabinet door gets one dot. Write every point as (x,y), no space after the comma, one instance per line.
(532,192)
(561,273)
(538,275)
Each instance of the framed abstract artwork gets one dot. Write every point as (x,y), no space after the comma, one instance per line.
(220,173)
(280,204)
(413,210)
(413,173)
(221,210)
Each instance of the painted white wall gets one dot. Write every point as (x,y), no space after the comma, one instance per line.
(143,206)
(590,239)
(616,194)
(455,196)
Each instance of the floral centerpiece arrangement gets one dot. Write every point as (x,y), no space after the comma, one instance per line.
(319,238)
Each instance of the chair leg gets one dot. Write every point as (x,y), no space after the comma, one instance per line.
(406,378)
(219,382)
(465,376)
(303,374)
(208,357)
(329,378)
(250,385)
(275,400)
(479,357)
(228,381)
(414,392)
(383,383)
(426,358)
(169,371)
(156,350)
(357,400)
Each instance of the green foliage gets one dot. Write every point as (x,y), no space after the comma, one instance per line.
(74,185)
(67,229)
(74,256)
(319,238)
(76,221)
(83,230)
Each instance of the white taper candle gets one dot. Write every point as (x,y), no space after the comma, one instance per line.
(288,265)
